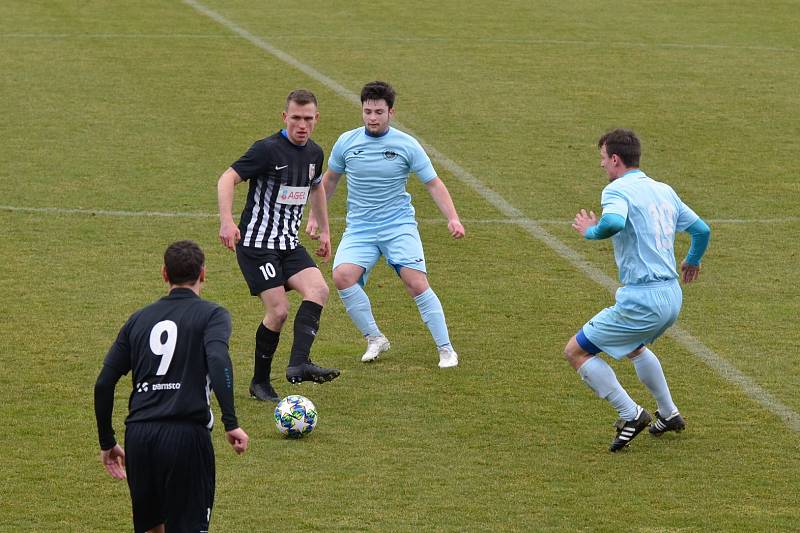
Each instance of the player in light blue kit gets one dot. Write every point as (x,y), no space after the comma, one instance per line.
(380,219)
(641,216)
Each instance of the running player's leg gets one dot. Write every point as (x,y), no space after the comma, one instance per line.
(262,270)
(667,300)
(402,247)
(598,375)
(613,332)
(306,279)
(354,259)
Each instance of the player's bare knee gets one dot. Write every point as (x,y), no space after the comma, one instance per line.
(342,280)
(320,293)
(277,316)
(574,354)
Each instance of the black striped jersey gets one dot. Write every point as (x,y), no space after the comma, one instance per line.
(281,175)
(177,348)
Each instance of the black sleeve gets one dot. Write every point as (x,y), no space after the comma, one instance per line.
(220,369)
(316,179)
(119,355)
(254,163)
(104,405)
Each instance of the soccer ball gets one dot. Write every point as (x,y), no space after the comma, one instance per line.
(295,416)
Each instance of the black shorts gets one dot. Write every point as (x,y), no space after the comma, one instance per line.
(170,467)
(264,268)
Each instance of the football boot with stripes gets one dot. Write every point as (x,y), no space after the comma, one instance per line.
(674,423)
(628,429)
(308,371)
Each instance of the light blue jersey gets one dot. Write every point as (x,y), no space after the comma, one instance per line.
(644,249)
(377,171)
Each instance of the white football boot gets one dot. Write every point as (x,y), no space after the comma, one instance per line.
(448,357)
(375,346)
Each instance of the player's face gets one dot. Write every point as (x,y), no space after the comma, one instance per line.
(300,121)
(609,163)
(376,115)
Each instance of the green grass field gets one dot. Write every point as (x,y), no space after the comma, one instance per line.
(118,117)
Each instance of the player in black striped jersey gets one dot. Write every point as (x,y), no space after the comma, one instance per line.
(177,349)
(283,171)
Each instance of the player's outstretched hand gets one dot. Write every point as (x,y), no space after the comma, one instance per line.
(238,439)
(584,221)
(689,272)
(229,234)
(456,229)
(114,461)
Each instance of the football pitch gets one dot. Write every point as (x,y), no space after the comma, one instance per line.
(118,118)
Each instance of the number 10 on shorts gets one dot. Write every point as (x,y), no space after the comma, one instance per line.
(268,270)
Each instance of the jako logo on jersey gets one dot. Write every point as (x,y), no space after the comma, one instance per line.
(388,154)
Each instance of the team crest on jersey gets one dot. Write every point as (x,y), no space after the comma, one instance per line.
(311,168)
(388,154)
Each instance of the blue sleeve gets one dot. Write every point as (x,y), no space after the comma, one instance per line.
(336,161)
(608,225)
(701,234)
(420,163)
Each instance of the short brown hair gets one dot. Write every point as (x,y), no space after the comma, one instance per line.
(183,261)
(378,90)
(624,143)
(301,97)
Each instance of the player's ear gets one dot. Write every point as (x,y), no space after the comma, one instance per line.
(202,277)
(164,273)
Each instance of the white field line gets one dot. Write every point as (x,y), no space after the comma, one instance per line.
(431,221)
(443,40)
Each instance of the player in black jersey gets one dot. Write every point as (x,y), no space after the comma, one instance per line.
(177,349)
(284,173)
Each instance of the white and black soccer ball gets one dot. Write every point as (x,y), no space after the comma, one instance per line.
(296,416)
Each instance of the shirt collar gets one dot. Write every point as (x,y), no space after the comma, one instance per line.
(182,292)
(368,134)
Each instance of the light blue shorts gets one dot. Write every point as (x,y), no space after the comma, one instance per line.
(641,314)
(400,245)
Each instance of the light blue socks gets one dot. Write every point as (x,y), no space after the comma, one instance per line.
(356,303)
(600,377)
(430,309)
(648,368)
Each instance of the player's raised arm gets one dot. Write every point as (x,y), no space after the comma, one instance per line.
(229,233)
(441,196)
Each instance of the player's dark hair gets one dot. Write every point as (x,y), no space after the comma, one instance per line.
(624,143)
(301,97)
(378,90)
(183,261)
